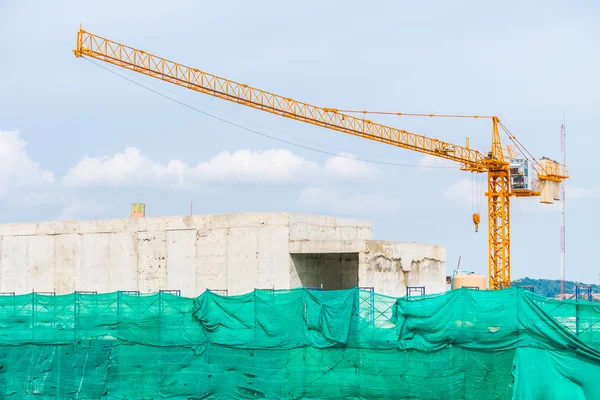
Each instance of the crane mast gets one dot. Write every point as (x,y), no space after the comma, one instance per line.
(494,163)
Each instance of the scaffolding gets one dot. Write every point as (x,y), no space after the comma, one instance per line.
(415,291)
(583,292)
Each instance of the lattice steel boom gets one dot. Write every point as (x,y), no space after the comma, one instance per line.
(494,163)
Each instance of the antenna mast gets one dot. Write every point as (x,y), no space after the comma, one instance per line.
(563,156)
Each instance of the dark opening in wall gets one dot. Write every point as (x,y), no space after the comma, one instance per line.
(331,271)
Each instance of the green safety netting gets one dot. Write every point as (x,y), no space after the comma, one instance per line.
(299,344)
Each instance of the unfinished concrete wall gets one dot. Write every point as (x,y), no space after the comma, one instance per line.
(236,252)
(388,267)
(306,227)
(233,252)
(392,266)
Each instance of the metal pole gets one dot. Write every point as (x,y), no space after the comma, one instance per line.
(562,214)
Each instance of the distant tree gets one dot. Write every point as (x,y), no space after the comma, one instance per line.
(551,287)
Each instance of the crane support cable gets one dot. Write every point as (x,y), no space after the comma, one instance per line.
(394,164)
(536,165)
(140,61)
(557,171)
(516,141)
(410,114)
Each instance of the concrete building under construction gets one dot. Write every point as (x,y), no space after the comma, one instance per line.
(230,253)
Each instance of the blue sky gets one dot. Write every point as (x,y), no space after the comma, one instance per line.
(78,142)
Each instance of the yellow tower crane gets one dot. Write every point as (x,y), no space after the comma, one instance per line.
(508,174)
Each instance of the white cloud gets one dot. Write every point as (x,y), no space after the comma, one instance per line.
(432,162)
(17,169)
(128,167)
(467,192)
(30,185)
(83,208)
(461,193)
(329,200)
(276,165)
(132,168)
(345,166)
(72,210)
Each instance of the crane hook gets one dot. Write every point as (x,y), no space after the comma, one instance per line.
(476,220)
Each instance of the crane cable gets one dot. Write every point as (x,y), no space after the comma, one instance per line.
(535,164)
(409,114)
(261,133)
(476,192)
(512,137)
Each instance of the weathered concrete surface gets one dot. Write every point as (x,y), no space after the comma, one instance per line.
(236,252)
(386,266)
(391,266)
